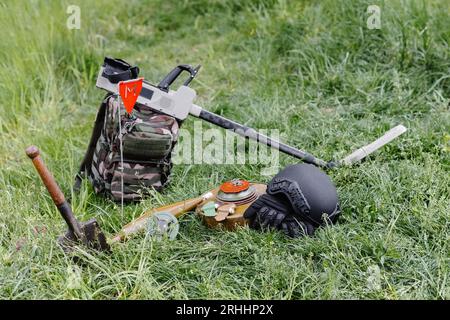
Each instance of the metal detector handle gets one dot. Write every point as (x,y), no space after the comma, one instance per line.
(175,73)
(254,135)
(54,190)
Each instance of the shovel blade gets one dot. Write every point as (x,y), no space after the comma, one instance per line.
(93,238)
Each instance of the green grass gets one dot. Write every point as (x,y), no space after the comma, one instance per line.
(310,69)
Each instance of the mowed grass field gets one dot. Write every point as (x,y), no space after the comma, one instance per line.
(312,70)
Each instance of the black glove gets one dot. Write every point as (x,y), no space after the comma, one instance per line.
(275,212)
(297,200)
(294,228)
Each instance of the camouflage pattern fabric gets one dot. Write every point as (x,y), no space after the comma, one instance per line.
(148,140)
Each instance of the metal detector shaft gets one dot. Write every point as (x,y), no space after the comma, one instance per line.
(251,133)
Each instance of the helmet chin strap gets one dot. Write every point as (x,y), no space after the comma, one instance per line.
(363,152)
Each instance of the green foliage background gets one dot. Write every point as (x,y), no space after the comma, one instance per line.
(311,69)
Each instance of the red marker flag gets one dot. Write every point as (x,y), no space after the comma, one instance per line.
(129,91)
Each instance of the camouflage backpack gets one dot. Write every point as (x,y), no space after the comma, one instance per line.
(148,139)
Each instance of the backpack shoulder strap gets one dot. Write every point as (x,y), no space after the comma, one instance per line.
(85,166)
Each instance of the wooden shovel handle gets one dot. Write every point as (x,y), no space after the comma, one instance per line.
(46,176)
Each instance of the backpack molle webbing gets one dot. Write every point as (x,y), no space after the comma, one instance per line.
(148,141)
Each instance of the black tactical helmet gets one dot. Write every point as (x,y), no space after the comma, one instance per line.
(299,199)
(309,190)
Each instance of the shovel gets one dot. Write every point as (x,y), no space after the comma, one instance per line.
(86,233)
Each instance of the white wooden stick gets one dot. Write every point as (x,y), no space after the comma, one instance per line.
(363,152)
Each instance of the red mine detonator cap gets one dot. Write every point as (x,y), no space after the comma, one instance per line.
(235,186)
